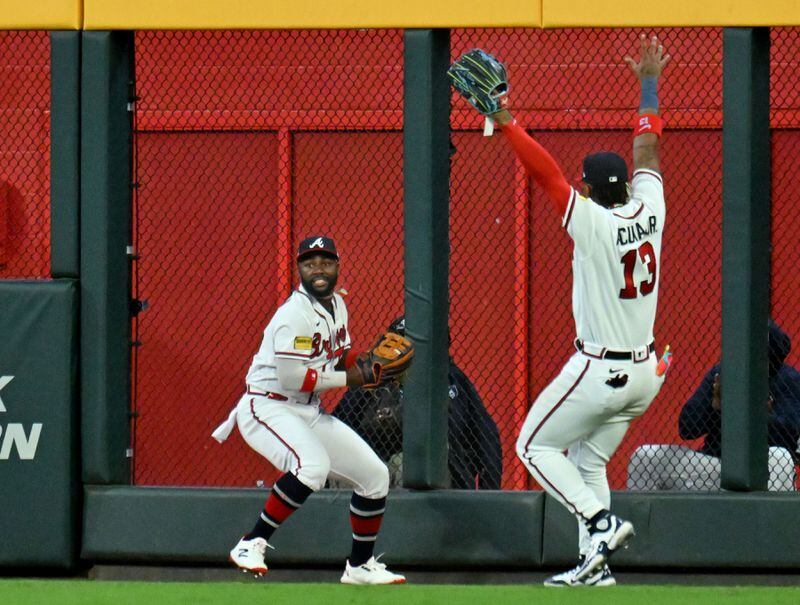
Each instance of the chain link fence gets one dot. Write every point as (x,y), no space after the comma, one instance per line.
(783,404)
(696,465)
(248,141)
(24,154)
(572,90)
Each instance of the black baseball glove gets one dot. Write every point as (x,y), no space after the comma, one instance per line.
(480,79)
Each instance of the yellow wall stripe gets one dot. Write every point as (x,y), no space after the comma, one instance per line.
(308,14)
(334,14)
(635,13)
(41,14)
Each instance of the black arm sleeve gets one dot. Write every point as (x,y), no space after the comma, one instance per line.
(491,454)
(484,447)
(698,417)
(784,421)
(784,432)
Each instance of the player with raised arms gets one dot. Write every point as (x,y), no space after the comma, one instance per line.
(616,227)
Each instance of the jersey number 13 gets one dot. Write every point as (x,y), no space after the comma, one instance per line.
(647,255)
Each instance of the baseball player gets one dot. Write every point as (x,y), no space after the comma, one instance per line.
(616,227)
(305,350)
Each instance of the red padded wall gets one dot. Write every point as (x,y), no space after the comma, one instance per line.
(208,270)
(24,154)
(322,152)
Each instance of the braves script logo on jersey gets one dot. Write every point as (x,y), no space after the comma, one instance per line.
(317,243)
(331,347)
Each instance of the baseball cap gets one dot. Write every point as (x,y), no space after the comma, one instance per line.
(316,244)
(398,326)
(604,167)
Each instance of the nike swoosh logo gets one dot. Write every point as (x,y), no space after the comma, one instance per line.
(614,371)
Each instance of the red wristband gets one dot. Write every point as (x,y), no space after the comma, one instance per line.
(648,123)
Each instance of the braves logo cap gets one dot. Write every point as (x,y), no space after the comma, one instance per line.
(604,167)
(398,326)
(316,244)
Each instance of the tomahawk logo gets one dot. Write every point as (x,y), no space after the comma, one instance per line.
(13,435)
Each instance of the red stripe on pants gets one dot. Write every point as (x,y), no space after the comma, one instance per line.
(557,405)
(567,503)
(266,426)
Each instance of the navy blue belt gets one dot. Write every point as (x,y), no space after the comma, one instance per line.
(606,354)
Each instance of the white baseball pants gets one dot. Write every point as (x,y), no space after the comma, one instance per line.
(304,440)
(587,410)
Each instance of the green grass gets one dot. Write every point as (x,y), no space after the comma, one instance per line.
(85,592)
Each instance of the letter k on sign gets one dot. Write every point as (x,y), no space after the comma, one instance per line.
(4,380)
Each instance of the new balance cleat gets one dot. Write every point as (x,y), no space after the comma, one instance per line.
(248,555)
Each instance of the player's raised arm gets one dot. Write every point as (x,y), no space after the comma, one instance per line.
(647,128)
(536,159)
(481,80)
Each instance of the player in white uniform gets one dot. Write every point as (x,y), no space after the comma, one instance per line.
(306,350)
(616,228)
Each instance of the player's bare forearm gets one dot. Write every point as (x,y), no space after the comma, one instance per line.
(647,70)
(645,153)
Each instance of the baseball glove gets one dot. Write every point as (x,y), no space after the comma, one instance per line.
(387,359)
(480,79)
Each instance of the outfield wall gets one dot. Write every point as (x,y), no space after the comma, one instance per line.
(50,330)
(443,529)
(39,424)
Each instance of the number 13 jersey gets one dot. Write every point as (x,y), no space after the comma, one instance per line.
(616,264)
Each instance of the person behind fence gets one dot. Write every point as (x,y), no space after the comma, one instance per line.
(306,350)
(474,455)
(677,467)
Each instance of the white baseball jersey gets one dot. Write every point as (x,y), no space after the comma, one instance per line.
(616,264)
(301,329)
(279,423)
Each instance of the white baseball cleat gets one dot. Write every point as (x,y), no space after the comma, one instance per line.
(371,572)
(248,555)
(611,534)
(601,577)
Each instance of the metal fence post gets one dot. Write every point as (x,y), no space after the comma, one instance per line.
(65,149)
(745,257)
(106,131)
(426,172)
